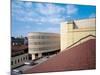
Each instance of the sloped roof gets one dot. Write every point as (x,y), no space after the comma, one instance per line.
(80,57)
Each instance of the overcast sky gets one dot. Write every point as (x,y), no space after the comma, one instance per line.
(45,17)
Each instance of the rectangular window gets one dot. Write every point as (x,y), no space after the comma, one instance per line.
(36,55)
(18,60)
(23,58)
(11,62)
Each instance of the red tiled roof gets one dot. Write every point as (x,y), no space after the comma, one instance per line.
(79,57)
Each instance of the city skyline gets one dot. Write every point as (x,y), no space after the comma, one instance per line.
(45,17)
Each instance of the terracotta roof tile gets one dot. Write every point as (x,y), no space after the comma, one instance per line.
(79,57)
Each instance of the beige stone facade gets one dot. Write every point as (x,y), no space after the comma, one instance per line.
(73,31)
(41,43)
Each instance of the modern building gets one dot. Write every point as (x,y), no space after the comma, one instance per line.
(78,41)
(19,55)
(43,44)
(74,31)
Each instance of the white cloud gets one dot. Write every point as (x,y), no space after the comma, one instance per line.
(41,12)
(52,29)
(51,13)
(71,9)
(39,23)
(27,19)
(56,20)
(51,19)
(27,27)
(92,15)
(28,4)
(48,9)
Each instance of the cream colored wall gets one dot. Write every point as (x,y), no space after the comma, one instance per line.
(70,35)
(53,43)
(33,55)
(19,57)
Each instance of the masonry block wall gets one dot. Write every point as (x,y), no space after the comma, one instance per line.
(72,31)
